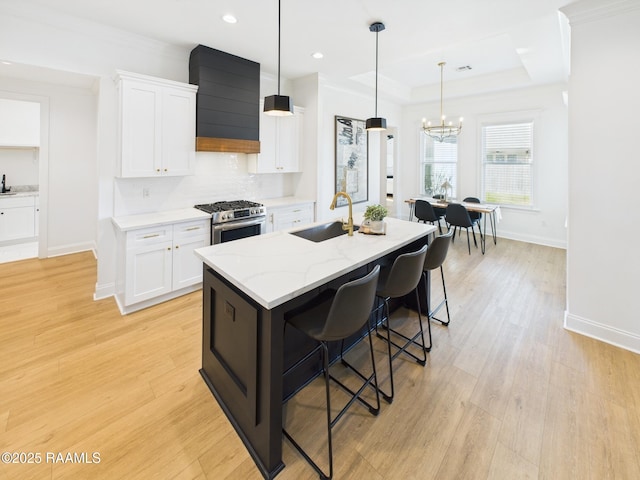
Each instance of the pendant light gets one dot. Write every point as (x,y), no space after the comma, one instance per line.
(376,123)
(278,105)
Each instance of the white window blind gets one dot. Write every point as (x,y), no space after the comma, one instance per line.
(439,164)
(508,164)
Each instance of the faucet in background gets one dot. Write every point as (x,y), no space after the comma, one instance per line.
(349,225)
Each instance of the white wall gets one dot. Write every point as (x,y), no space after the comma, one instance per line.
(603,261)
(334,101)
(545,223)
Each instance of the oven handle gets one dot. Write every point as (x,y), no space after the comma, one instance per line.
(239,224)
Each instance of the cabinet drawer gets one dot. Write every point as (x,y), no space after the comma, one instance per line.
(13,202)
(200,228)
(149,236)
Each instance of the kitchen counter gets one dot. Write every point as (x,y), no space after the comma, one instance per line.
(277,267)
(249,285)
(142,220)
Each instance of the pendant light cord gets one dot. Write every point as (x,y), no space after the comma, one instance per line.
(376,109)
(279,47)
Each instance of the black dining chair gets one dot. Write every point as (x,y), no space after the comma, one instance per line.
(475,216)
(335,316)
(424,212)
(439,210)
(458,217)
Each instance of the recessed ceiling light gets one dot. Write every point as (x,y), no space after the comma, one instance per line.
(229,18)
(317,55)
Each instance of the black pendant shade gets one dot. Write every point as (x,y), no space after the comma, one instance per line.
(278,105)
(376,123)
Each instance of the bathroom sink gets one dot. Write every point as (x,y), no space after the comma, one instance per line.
(323,232)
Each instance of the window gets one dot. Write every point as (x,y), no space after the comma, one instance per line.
(439,163)
(508,164)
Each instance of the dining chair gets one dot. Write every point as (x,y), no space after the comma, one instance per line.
(475,216)
(458,216)
(425,212)
(335,316)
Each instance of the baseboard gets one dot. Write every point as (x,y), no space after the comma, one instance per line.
(605,333)
(547,242)
(104,291)
(71,248)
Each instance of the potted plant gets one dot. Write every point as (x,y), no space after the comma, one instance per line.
(373,219)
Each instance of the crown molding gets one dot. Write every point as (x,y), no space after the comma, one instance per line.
(586,11)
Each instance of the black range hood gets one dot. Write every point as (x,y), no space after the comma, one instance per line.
(228,101)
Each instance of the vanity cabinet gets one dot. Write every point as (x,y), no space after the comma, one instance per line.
(157,126)
(290,216)
(17,218)
(157,262)
(280,144)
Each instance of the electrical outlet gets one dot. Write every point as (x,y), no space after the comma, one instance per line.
(145,192)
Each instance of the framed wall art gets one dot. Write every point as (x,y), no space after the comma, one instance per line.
(352,160)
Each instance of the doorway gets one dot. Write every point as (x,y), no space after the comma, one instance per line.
(24,167)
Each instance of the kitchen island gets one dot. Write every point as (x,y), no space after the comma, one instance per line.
(248,286)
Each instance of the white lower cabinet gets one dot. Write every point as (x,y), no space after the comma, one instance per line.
(159,261)
(290,216)
(17,218)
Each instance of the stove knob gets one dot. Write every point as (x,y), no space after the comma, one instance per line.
(224,217)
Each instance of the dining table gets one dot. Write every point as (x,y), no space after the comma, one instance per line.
(489,210)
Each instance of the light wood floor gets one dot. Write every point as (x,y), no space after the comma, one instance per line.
(506,394)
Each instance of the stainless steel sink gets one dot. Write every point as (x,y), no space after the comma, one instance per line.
(323,232)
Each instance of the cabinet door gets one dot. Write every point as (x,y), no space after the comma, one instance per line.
(148,272)
(294,216)
(187,268)
(288,154)
(178,131)
(141,124)
(17,223)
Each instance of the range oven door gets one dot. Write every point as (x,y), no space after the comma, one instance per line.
(226,232)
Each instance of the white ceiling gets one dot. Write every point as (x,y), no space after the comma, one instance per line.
(507,43)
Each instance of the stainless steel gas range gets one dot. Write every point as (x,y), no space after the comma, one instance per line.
(234,220)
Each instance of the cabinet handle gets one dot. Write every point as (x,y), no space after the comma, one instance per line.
(152,235)
(166,170)
(192,228)
(158,170)
(168,248)
(177,246)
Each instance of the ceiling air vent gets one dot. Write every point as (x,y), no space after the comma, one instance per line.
(463,68)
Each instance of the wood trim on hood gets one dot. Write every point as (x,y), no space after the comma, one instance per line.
(228,145)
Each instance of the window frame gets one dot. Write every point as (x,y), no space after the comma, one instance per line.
(531,117)
(422,161)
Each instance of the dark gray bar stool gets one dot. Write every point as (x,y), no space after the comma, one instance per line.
(400,280)
(435,257)
(332,318)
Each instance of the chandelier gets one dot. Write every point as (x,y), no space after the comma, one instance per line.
(441,131)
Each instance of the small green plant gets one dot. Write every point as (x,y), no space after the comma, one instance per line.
(375,213)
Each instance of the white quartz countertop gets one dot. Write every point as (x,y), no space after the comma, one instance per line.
(132,222)
(278,266)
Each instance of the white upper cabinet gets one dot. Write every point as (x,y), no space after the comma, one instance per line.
(157,126)
(19,123)
(280,144)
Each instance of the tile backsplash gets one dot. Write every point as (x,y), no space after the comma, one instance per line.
(219,176)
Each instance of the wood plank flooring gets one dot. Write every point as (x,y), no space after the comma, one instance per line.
(507,393)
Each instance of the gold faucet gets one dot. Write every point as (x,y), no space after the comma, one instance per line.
(349,225)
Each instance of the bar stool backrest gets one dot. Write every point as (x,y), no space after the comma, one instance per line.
(351,307)
(437,251)
(405,274)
